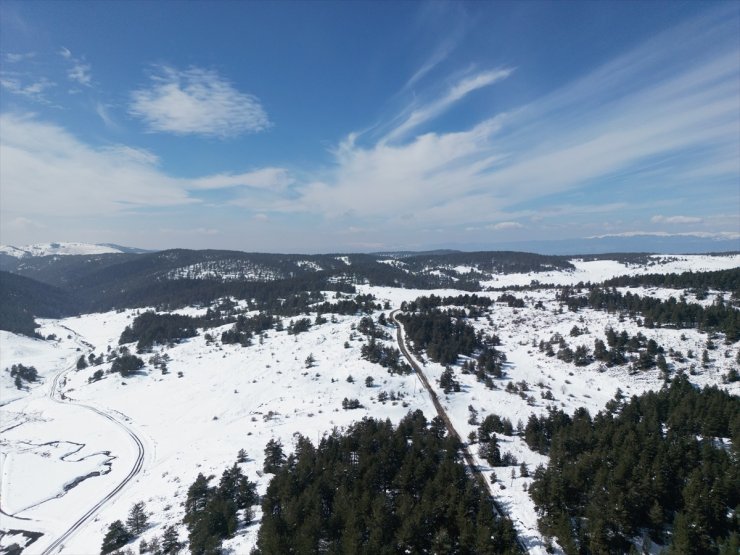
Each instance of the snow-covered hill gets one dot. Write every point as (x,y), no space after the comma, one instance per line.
(218,398)
(48,249)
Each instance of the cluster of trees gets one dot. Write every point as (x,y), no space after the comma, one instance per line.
(360,304)
(21,373)
(426,303)
(368,327)
(127,365)
(512,301)
(655,464)
(387,357)
(443,334)
(120,534)
(245,327)
(213,513)
(299,326)
(719,317)
(150,328)
(379,489)
(722,280)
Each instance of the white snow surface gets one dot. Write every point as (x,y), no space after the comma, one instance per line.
(216,399)
(47,249)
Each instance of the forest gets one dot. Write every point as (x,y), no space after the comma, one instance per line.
(662,467)
(719,317)
(378,489)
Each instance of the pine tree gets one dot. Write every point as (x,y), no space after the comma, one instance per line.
(137,518)
(274,456)
(117,536)
(170,541)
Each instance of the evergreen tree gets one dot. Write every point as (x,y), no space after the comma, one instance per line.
(137,518)
(116,536)
(274,456)
(171,541)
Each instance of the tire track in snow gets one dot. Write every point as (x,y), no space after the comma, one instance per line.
(57,396)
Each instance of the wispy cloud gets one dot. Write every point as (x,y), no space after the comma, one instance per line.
(457,92)
(263,178)
(79,71)
(505,225)
(659,219)
(23,86)
(196,101)
(639,121)
(103,113)
(718,235)
(15,57)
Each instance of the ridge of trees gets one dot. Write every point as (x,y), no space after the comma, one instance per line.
(718,317)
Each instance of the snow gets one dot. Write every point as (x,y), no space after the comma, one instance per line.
(230,397)
(47,249)
(599,270)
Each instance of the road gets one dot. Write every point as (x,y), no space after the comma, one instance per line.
(467,455)
(55,394)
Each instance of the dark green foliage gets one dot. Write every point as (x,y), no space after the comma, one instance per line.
(442,335)
(22,374)
(494,424)
(299,326)
(211,513)
(723,280)
(137,519)
(380,490)
(274,456)
(81,363)
(171,541)
(127,365)
(351,404)
(447,381)
(244,328)
(150,328)
(22,299)
(116,536)
(387,357)
(651,463)
(718,317)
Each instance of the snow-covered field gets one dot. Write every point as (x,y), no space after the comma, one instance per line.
(217,399)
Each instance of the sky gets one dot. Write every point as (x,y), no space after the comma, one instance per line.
(367,126)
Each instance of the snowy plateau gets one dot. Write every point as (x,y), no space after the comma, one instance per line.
(77,453)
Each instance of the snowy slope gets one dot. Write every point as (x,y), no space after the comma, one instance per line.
(48,249)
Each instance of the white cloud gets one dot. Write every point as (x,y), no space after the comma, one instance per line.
(263,178)
(631,121)
(47,171)
(79,70)
(659,219)
(460,90)
(103,113)
(718,235)
(35,90)
(14,57)
(505,225)
(196,102)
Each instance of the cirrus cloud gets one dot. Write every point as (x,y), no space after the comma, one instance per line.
(196,101)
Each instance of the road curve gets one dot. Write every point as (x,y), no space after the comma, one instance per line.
(56,395)
(467,455)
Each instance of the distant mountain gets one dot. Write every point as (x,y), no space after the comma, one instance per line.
(652,242)
(68,249)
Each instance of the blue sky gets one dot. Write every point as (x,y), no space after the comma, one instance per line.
(328,126)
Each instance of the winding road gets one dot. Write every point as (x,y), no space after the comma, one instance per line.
(467,455)
(55,394)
